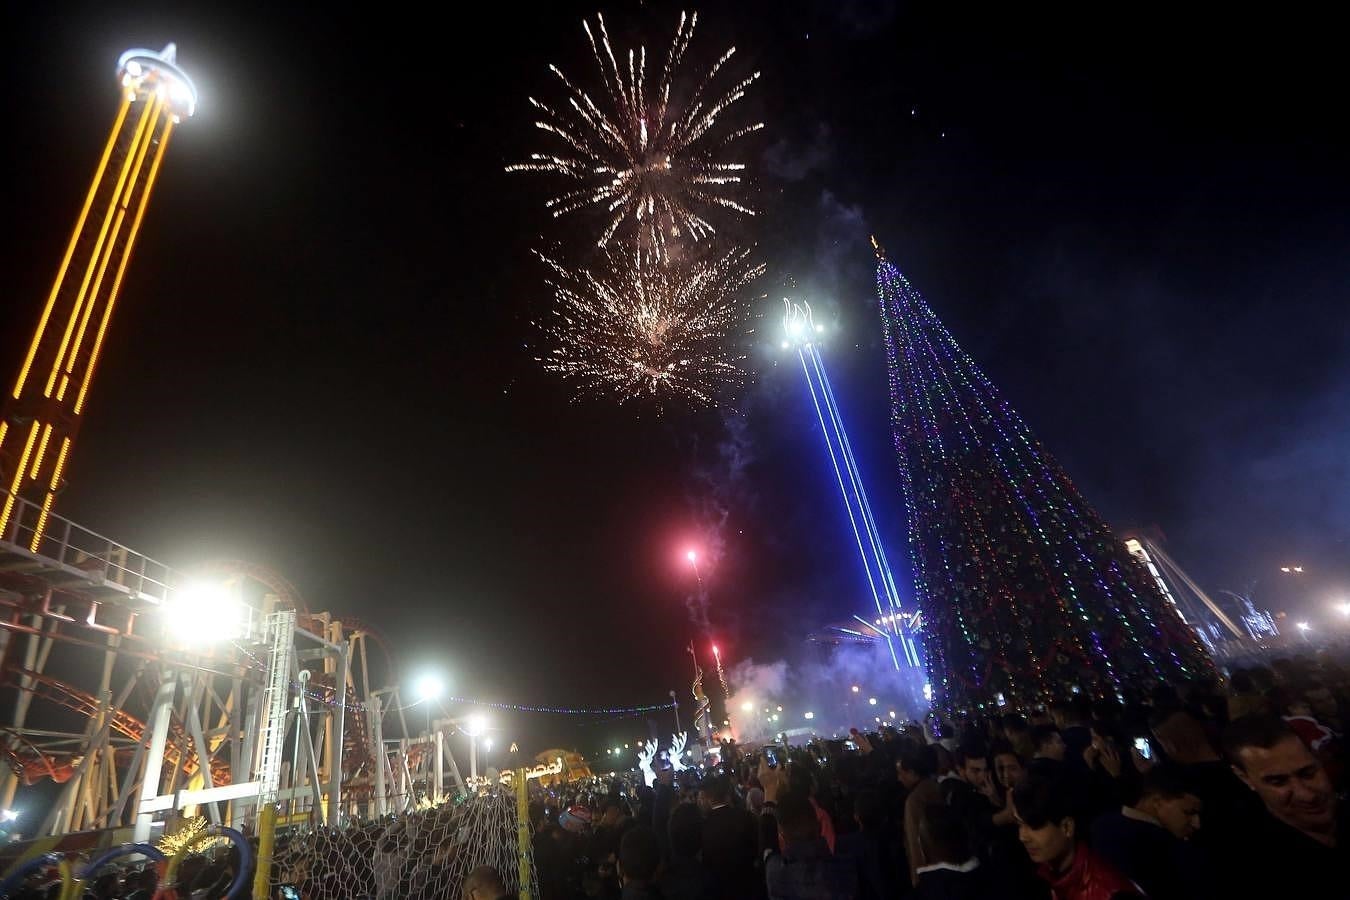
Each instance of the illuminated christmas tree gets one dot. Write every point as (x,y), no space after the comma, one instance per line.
(1024,590)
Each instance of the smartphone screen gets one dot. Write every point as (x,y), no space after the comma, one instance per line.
(1145,749)
(771,756)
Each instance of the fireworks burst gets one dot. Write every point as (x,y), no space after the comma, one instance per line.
(660,330)
(654,165)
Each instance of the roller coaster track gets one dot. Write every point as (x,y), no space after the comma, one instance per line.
(54,690)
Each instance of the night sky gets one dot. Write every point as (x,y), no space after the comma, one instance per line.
(323,356)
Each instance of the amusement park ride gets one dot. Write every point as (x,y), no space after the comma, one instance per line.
(133,691)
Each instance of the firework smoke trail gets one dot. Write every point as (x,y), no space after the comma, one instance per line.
(721,674)
(654,164)
(659,331)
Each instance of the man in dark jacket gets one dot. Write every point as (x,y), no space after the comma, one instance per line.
(1300,845)
(954,872)
(806,870)
(1149,841)
(730,841)
(684,876)
(639,861)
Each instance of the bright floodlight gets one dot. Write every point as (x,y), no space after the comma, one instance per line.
(8,815)
(691,555)
(476,725)
(203,612)
(429,687)
(856,689)
(809,715)
(748,706)
(871,701)
(1344,608)
(1304,626)
(487,744)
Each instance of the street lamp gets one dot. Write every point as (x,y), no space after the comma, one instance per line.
(475,726)
(429,688)
(205,611)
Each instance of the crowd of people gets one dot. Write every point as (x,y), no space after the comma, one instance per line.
(1189,792)
(1197,791)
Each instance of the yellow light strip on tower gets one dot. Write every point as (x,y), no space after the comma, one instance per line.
(122,265)
(70,248)
(4,430)
(18,478)
(41,528)
(42,450)
(147,116)
(123,203)
(93,295)
(60,464)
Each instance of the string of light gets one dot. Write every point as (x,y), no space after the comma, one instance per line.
(1025,590)
(564,710)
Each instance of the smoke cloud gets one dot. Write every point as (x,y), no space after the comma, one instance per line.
(823,688)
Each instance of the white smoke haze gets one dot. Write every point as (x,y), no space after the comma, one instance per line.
(823,688)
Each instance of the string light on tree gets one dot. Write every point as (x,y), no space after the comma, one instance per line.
(1023,589)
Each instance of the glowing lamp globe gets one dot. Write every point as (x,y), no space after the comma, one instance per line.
(205,612)
(429,687)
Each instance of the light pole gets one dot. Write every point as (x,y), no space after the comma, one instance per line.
(429,689)
(473,728)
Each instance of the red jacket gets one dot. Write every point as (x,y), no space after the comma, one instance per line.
(1089,878)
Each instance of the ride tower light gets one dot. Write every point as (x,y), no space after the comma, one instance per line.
(41,413)
(893,623)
